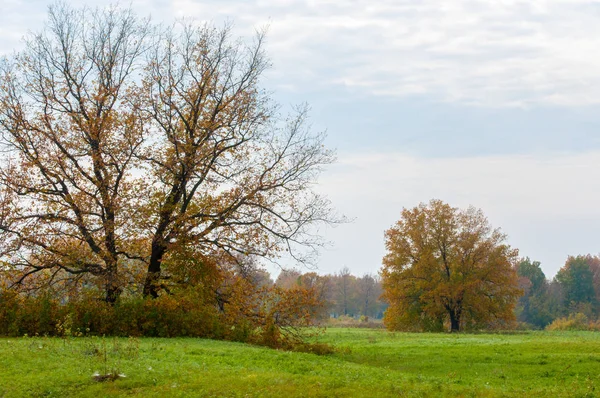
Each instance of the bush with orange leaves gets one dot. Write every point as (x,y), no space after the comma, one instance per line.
(221,303)
(268,315)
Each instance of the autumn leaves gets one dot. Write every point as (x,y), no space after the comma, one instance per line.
(447,267)
(133,150)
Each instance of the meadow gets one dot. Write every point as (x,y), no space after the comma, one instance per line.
(367,362)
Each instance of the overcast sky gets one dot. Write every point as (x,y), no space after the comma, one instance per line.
(485,103)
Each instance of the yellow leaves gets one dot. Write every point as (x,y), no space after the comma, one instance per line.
(165,155)
(448,260)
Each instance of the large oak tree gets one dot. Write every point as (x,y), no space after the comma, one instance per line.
(447,266)
(130,148)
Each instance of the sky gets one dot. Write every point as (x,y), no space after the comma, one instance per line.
(484,103)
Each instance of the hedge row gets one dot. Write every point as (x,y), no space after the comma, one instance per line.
(166,316)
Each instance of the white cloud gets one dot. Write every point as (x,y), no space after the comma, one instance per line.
(483,52)
(491,53)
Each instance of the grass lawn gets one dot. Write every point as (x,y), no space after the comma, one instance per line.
(370,363)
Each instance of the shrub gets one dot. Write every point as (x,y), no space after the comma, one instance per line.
(166,316)
(578,321)
(268,316)
(345,321)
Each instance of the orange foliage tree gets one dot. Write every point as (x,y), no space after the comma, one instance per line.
(128,146)
(447,266)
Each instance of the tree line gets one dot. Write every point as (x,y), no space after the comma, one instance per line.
(341,293)
(574,290)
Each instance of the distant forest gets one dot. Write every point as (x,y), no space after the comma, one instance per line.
(341,293)
(573,292)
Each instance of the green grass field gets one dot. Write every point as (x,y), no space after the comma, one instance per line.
(370,363)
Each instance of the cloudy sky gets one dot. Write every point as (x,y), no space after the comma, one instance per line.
(485,103)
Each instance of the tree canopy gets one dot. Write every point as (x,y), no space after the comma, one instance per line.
(133,151)
(577,281)
(533,304)
(446,266)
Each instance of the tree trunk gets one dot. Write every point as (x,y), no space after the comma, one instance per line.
(151,286)
(454,324)
(454,320)
(111,287)
(113,292)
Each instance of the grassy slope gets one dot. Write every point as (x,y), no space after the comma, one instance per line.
(369,363)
